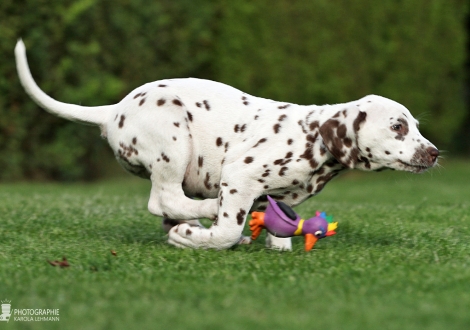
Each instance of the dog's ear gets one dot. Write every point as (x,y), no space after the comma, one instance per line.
(339,135)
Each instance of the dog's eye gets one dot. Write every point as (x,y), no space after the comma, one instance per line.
(318,233)
(396,127)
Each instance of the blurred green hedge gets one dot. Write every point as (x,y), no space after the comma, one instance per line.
(94,52)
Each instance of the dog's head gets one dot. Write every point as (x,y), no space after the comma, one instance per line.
(375,133)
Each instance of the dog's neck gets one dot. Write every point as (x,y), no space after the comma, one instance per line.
(328,165)
(322,113)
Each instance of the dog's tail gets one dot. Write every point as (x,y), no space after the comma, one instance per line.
(85,115)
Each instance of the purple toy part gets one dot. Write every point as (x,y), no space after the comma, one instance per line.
(277,222)
(316,225)
(280,225)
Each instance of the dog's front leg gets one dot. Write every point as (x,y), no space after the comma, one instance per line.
(225,232)
(235,199)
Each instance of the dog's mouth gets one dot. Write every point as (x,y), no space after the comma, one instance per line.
(415,168)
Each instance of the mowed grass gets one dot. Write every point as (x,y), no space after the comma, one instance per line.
(400,260)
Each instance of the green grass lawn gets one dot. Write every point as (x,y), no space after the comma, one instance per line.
(400,260)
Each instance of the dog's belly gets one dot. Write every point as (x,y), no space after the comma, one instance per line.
(202,180)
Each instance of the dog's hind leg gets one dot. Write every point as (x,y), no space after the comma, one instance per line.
(167,197)
(171,156)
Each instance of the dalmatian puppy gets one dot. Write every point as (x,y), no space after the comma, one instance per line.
(193,137)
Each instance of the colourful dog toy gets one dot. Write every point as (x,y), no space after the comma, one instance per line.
(281,221)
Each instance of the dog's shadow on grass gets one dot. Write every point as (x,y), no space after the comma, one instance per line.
(135,232)
(151,233)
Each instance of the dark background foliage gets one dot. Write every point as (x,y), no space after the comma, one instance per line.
(94,52)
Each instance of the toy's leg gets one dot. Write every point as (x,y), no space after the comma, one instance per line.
(256,224)
(278,243)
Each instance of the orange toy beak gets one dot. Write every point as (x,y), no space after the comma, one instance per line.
(310,241)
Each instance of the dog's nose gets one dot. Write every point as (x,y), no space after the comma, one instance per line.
(433,153)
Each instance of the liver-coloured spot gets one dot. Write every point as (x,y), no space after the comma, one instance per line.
(308,153)
(341,131)
(259,142)
(165,158)
(309,188)
(121,122)
(314,125)
(312,138)
(241,216)
(207,183)
(361,117)
(206,104)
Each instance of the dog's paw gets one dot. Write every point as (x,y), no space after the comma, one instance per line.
(187,236)
(244,240)
(184,235)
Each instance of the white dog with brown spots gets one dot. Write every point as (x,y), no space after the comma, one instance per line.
(194,137)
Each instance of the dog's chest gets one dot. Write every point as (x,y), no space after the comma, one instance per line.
(304,184)
(273,150)
(266,142)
